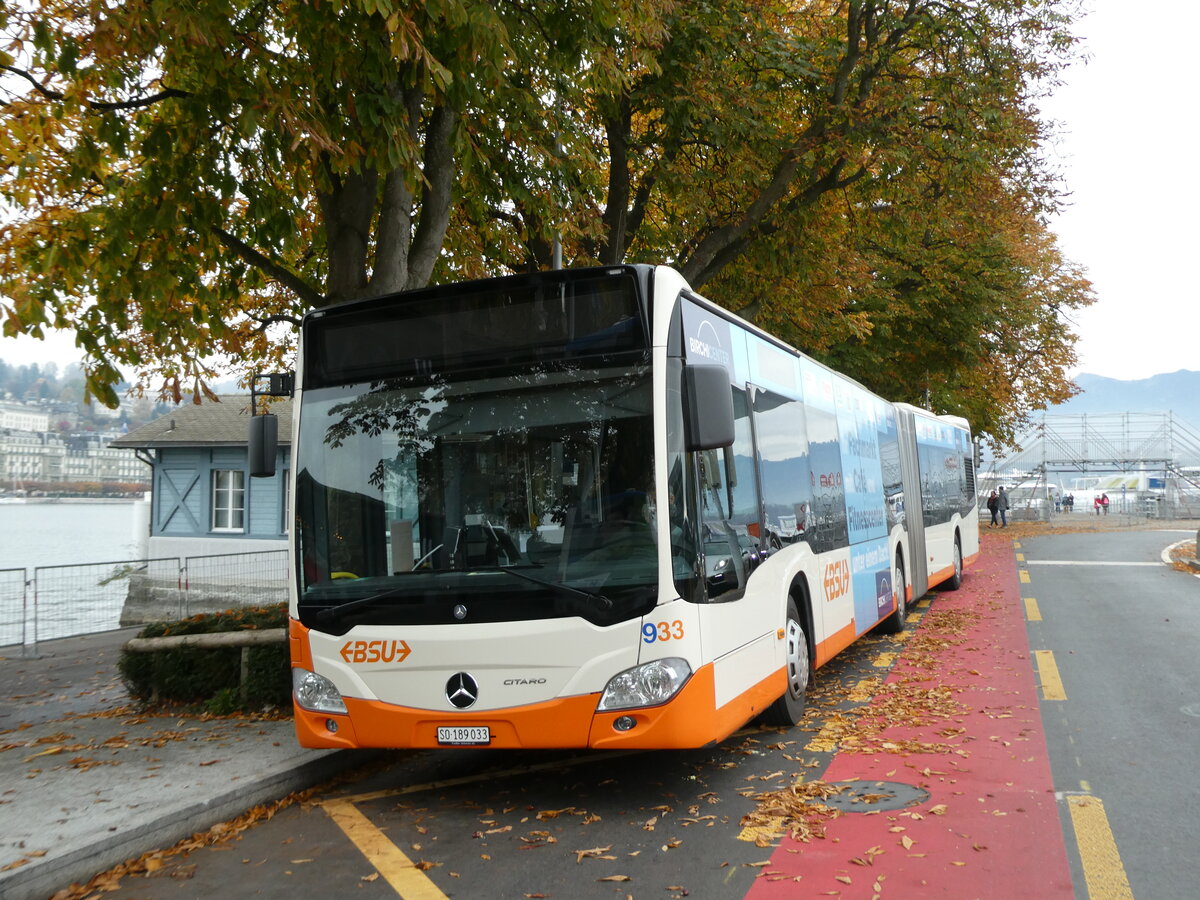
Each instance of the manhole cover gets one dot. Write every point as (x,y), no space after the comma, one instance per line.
(875,796)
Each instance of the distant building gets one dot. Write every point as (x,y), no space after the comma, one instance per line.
(48,459)
(19,417)
(203,500)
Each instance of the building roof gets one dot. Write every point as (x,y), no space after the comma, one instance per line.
(209,424)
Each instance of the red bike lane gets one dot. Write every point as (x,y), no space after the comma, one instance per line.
(970,736)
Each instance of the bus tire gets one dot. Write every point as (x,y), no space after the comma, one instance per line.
(954,582)
(895,623)
(788,710)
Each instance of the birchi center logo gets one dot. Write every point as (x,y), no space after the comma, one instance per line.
(706,344)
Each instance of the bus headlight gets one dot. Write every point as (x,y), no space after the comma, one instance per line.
(316,692)
(649,684)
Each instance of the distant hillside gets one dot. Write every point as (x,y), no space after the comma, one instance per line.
(1176,392)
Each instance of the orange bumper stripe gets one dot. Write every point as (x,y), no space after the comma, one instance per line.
(689,720)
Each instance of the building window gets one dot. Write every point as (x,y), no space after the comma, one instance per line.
(228,500)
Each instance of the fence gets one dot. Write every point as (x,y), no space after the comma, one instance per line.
(84,598)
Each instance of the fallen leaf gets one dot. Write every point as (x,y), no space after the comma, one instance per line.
(581,855)
(49,751)
(615,878)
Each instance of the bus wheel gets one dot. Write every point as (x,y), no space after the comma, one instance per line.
(895,623)
(788,710)
(954,582)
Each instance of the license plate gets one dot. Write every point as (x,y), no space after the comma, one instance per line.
(464,734)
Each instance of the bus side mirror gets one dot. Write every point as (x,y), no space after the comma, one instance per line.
(707,407)
(262,445)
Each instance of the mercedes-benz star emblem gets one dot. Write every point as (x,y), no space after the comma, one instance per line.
(461,690)
(460,611)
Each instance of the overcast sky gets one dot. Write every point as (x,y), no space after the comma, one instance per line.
(1129,161)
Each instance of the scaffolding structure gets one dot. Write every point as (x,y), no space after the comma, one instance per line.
(1151,460)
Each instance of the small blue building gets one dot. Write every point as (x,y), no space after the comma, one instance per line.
(203,500)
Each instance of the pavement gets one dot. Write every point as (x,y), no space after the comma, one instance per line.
(87,782)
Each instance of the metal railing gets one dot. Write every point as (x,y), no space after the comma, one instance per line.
(86,598)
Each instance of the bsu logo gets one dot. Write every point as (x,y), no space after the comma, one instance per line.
(375,651)
(837,579)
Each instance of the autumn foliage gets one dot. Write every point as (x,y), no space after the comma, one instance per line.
(182,181)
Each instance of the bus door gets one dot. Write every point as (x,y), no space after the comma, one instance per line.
(730,538)
(917,566)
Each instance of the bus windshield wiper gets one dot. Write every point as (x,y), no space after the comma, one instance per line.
(565,589)
(331,614)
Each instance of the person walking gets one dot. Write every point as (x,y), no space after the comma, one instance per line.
(1002,506)
(1104,503)
(994,509)
(1096,504)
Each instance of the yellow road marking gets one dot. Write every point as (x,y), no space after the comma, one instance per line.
(1102,867)
(1032,613)
(913,618)
(1016,545)
(1020,557)
(1024,573)
(1052,686)
(763,835)
(923,604)
(883,660)
(863,691)
(826,739)
(397,869)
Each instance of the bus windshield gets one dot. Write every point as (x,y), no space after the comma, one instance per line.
(517,496)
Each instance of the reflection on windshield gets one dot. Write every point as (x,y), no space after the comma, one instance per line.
(418,494)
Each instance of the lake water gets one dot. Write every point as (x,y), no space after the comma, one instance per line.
(59,534)
(68,600)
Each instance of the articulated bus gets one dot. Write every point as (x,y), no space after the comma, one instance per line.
(590,508)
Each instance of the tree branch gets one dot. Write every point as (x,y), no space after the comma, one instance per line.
(113,106)
(276,271)
(436,196)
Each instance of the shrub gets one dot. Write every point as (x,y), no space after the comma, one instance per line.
(212,677)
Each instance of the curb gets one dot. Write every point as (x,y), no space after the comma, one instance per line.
(1166,555)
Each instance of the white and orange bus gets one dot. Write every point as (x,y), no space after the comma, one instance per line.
(589,508)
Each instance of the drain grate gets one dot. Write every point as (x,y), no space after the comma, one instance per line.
(875,796)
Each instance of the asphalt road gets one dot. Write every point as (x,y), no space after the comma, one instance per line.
(1124,633)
